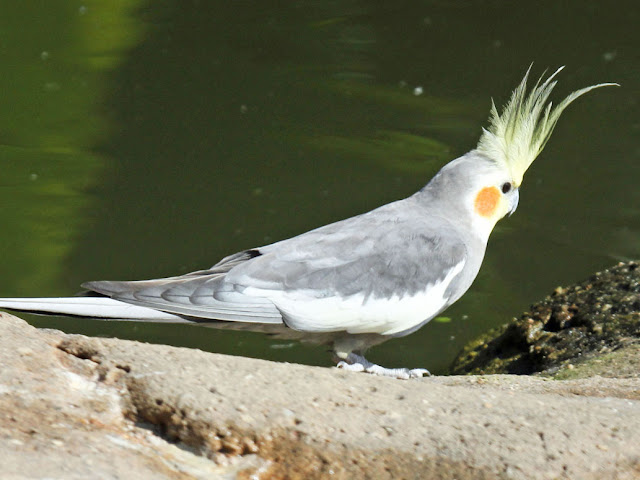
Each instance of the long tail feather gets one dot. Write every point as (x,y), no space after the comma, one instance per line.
(95,307)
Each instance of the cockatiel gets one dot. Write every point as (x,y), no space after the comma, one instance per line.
(360,281)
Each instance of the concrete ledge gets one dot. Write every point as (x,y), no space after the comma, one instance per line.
(77,407)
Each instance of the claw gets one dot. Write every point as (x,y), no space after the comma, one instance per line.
(351,367)
(357,363)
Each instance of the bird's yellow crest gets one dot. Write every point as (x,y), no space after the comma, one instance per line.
(517,136)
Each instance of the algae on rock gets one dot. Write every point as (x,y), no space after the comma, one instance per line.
(570,326)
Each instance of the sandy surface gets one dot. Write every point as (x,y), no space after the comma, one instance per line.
(77,407)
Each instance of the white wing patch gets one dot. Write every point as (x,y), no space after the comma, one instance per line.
(355,314)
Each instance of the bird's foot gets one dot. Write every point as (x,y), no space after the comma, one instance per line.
(357,363)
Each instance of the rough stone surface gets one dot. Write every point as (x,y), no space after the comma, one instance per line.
(74,407)
(596,319)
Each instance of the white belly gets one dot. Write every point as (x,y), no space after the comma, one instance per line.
(356,314)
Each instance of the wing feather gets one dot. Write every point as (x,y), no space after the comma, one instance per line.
(392,251)
(175,297)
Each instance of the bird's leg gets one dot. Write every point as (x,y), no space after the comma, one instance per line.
(357,363)
(346,346)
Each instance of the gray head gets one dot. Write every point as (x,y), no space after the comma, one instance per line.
(472,189)
(482,186)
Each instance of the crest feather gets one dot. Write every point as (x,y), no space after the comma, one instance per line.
(517,136)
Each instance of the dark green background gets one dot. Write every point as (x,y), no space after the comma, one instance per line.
(144,139)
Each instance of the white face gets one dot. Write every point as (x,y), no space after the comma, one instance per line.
(494,195)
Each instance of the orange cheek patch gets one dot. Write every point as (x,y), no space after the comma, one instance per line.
(487,201)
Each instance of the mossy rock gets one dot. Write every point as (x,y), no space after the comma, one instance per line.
(569,327)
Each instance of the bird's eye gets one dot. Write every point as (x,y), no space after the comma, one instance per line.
(506,187)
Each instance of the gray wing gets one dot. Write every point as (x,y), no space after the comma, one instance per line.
(392,250)
(197,295)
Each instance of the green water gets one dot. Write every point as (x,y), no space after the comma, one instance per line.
(147,139)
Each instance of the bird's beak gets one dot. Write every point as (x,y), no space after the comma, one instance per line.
(513,202)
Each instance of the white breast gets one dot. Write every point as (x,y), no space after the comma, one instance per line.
(356,314)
